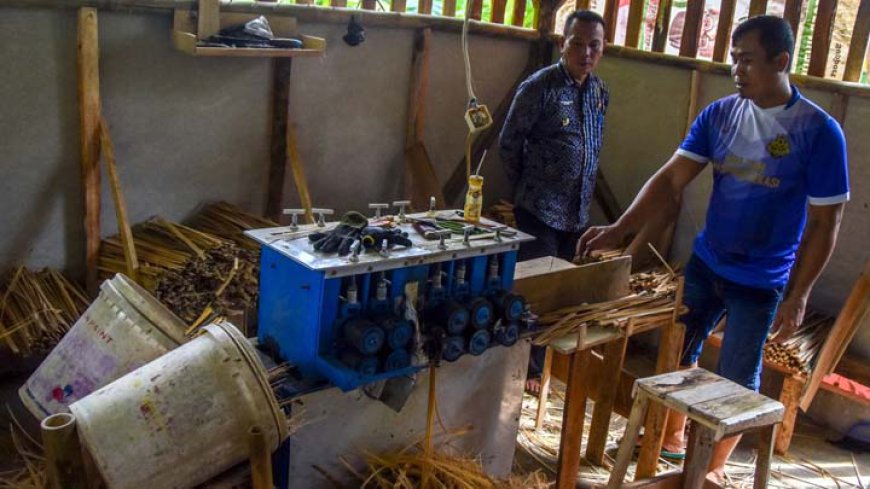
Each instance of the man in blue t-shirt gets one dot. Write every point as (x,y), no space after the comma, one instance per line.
(780,182)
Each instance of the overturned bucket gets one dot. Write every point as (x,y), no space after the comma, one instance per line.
(123,329)
(183,418)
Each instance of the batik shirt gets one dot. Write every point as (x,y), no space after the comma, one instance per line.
(550,145)
(768,165)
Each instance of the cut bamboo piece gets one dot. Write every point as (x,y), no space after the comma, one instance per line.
(63,452)
(108,150)
(261,459)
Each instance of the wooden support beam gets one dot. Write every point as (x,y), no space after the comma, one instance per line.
(790,397)
(88,61)
(448,8)
(723,30)
(281,71)
(614,354)
(398,5)
(855,312)
(757,7)
(694,100)
(369,4)
(498,8)
(518,16)
(635,23)
(692,28)
(546,375)
(475,9)
(425,7)
(338,3)
(208,20)
(858,45)
(582,4)
(824,25)
(663,23)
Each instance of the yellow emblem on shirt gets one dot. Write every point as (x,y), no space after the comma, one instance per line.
(779,147)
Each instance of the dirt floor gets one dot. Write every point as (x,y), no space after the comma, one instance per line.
(811,462)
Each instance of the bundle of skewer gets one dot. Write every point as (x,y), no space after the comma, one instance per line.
(197,275)
(799,352)
(502,212)
(37,309)
(652,301)
(230,222)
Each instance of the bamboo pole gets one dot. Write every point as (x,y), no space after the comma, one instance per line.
(108,150)
(63,452)
(88,60)
(261,459)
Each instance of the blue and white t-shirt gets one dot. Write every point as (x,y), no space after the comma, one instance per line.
(767,165)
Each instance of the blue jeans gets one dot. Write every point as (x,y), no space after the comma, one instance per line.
(750,311)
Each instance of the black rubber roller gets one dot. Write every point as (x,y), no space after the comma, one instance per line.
(480,313)
(510,306)
(399,332)
(364,335)
(508,335)
(454,347)
(479,341)
(453,316)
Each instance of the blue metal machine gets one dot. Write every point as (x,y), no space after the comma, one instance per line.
(367,317)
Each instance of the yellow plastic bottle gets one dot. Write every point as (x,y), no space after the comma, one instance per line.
(474,199)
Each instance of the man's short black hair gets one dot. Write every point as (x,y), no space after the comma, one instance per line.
(583,16)
(774,34)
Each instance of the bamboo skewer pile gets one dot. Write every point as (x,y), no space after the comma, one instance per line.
(230,222)
(652,301)
(37,309)
(197,275)
(798,353)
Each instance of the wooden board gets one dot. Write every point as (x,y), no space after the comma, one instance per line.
(208,18)
(519,13)
(635,23)
(88,61)
(858,45)
(723,30)
(498,10)
(821,43)
(448,8)
(660,30)
(757,7)
(398,6)
(595,282)
(855,312)
(610,12)
(692,28)
(792,15)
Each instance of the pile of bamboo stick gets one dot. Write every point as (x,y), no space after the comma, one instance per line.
(198,275)
(37,309)
(798,353)
(230,222)
(652,301)
(599,256)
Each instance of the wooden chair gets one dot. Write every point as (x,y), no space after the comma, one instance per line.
(718,409)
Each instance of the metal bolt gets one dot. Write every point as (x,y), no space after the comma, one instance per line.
(442,236)
(466,234)
(432,203)
(498,230)
(385,248)
(321,221)
(294,217)
(378,208)
(354,251)
(401,204)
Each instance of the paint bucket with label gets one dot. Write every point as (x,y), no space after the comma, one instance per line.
(123,329)
(183,418)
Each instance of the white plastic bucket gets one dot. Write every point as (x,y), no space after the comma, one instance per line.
(123,329)
(183,418)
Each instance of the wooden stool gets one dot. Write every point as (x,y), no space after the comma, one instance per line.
(718,408)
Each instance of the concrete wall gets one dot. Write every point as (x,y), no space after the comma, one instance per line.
(188,129)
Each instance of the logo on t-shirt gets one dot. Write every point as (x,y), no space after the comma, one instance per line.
(779,147)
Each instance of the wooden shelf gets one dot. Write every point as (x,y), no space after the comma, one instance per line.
(185,39)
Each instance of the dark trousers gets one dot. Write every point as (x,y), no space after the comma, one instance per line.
(548,242)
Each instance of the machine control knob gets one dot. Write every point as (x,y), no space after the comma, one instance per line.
(294,217)
(321,213)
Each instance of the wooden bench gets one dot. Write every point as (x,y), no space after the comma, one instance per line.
(718,409)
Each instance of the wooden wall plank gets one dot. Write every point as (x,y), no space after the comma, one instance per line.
(88,61)
(822,37)
(757,7)
(582,4)
(635,23)
(723,30)
(398,5)
(498,8)
(858,46)
(792,15)
(338,3)
(425,7)
(610,12)
(369,4)
(281,70)
(448,8)
(519,13)
(692,28)
(663,22)
(475,9)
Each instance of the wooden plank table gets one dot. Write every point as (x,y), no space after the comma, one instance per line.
(550,284)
